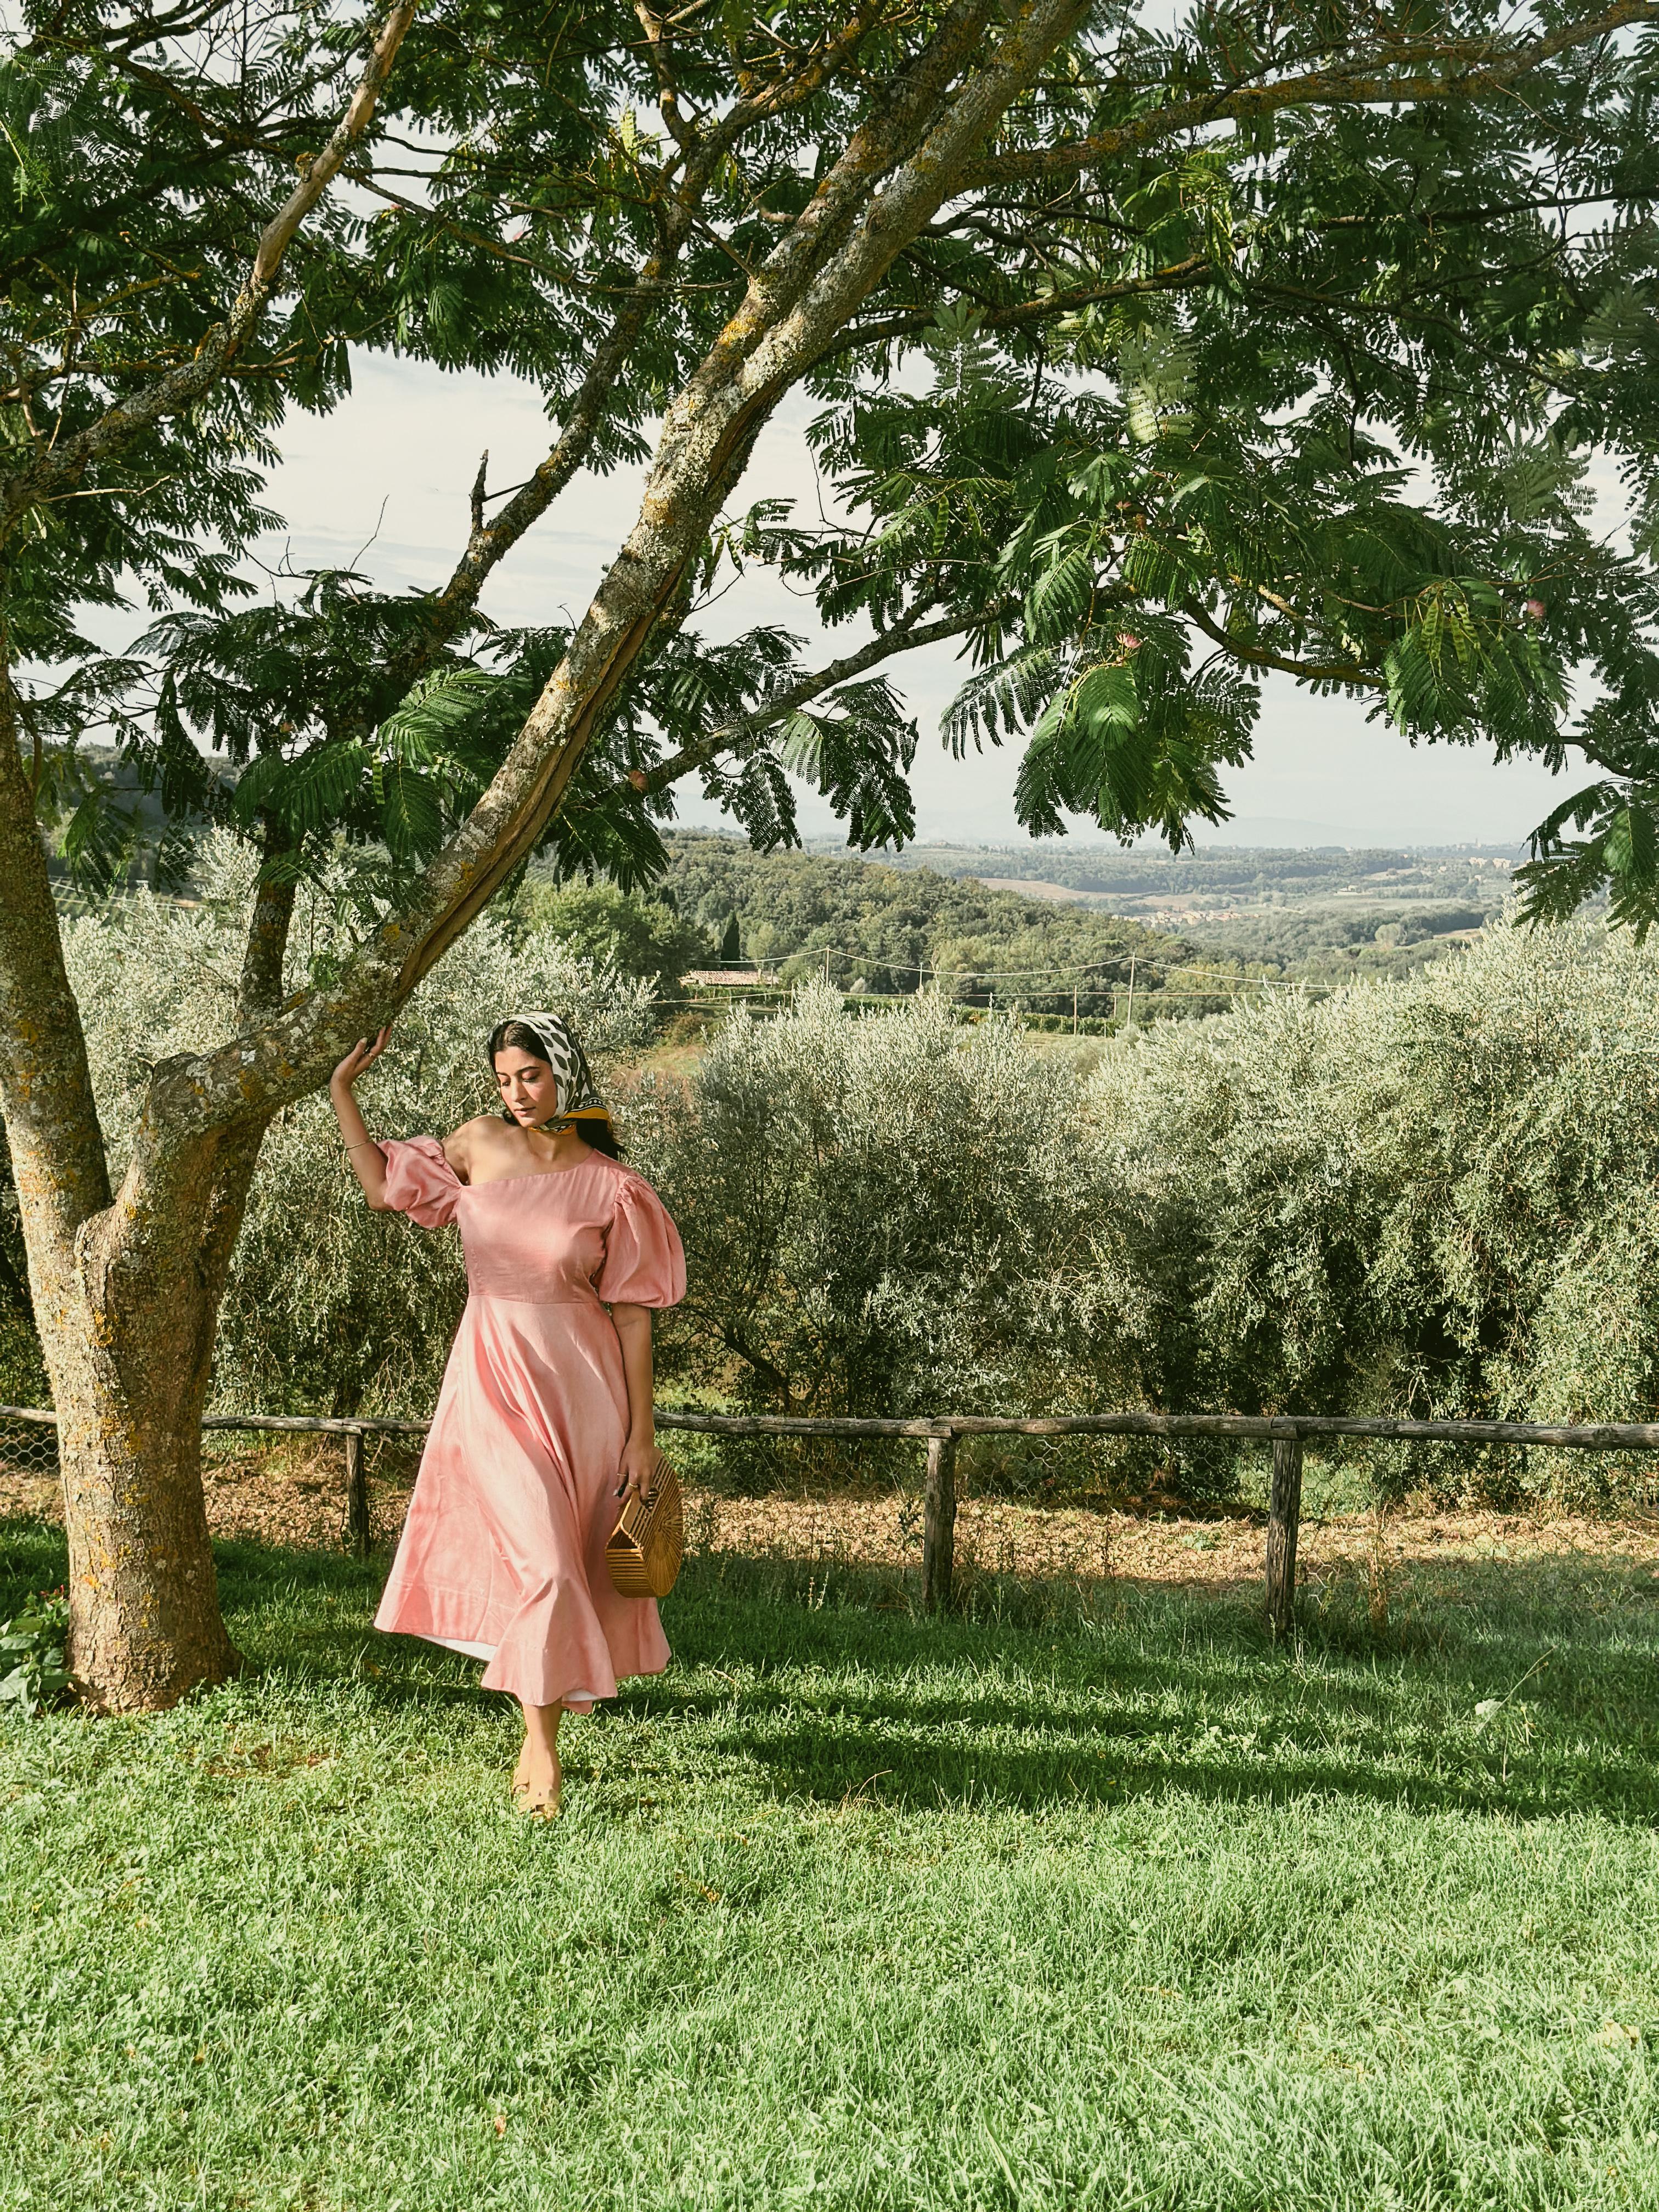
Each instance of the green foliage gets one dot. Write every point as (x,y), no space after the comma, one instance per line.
(130,230)
(1319,390)
(874,1209)
(32,1675)
(124,231)
(1318,914)
(1425,1198)
(329,1307)
(1263,453)
(608,928)
(1321,945)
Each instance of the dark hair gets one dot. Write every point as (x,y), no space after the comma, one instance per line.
(519,1037)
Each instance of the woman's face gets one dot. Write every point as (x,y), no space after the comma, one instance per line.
(526,1084)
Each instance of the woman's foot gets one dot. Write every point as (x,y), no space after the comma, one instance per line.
(537,1779)
(538,1793)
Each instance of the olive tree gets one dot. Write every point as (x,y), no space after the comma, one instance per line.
(883,1213)
(1432,1197)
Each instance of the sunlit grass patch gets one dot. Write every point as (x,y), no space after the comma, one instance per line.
(1080,1900)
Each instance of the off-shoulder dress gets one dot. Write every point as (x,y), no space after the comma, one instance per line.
(502,1554)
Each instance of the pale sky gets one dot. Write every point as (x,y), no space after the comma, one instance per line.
(382,485)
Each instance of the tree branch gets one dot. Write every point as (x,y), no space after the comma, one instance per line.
(45,1085)
(449,609)
(1180,276)
(1256,656)
(59,468)
(260,990)
(733,736)
(668,93)
(1464,70)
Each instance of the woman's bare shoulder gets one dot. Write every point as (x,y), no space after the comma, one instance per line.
(471,1142)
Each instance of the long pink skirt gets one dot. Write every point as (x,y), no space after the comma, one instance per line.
(502,1554)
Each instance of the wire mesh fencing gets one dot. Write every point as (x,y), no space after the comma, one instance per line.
(28,1459)
(291,1480)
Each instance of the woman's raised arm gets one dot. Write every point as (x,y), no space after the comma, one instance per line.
(367,1161)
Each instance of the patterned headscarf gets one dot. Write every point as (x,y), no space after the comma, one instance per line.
(573,1083)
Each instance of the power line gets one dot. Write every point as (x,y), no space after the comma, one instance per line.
(975,975)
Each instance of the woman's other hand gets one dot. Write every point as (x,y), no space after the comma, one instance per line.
(638,1470)
(362,1054)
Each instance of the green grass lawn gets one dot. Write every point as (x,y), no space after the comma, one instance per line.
(1070,1904)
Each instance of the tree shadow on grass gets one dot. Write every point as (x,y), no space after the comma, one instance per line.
(34,1556)
(823,1687)
(290,1611)
(1526,1687)
(884,1754)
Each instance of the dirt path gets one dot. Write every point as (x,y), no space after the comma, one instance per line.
(995,1537)
(298,1499)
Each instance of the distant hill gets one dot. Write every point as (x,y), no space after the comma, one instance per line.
(859,922)
(893,922)
(1152,878)
(1315,914)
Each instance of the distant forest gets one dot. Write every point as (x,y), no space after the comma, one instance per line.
(1321,915)
(871,926)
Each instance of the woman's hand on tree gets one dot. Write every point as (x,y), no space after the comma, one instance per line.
(362,1054)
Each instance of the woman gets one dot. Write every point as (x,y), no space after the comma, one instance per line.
(545,1419)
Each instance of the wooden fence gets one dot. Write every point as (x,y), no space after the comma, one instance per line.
(1285,1433)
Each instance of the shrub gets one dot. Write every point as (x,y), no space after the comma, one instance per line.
(1435,1197)
(330,1308)
(883,1214)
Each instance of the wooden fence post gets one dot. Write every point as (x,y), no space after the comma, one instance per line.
(939,1526)
(1284,1518)
(356,1496)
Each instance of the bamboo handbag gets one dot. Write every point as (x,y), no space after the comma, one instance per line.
(648,1541)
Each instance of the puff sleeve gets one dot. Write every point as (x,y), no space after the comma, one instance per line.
(420,1181)
(644,1259)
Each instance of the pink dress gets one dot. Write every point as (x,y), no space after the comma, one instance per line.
(502,1555)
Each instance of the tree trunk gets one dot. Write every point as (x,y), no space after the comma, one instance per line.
(126,1298)
(144,1620)
(131,1385)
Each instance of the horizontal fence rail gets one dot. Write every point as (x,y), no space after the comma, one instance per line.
(1256,1428)
(1285,1433)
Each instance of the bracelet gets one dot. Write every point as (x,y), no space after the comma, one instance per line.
(361,1142)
